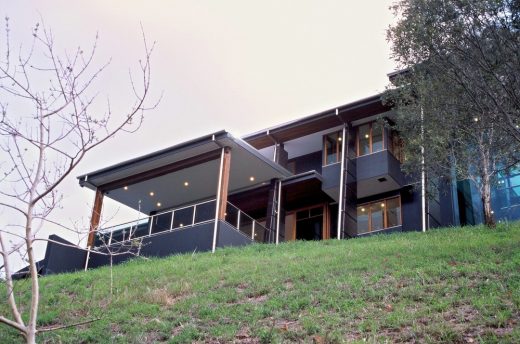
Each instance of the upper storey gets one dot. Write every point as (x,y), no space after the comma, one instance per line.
(314,143)
(324,121)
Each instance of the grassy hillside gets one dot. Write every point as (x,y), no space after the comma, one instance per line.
(450,285)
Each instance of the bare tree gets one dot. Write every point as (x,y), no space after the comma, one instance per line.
(49,121)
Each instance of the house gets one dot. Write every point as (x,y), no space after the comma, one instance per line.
(332,175)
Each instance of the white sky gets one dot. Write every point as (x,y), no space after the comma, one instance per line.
(230,64)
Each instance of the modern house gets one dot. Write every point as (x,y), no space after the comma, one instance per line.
(332,175)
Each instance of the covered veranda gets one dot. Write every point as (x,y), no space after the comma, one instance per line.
(182,192)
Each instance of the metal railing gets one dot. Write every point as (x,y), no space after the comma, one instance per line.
(179,218)
(247,225)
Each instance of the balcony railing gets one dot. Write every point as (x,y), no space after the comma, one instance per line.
(180,218)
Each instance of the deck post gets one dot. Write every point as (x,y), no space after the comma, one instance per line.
(341,202)
(278,210)
(222,191)
(95,218)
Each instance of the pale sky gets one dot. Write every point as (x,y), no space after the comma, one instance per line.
(230,64)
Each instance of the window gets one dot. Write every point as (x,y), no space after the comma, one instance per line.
(379,215)
(370,138)
(332,148)
(395,146)
(507,193)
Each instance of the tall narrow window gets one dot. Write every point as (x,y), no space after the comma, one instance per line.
(332,148)
(363,224)
(379,215)
(396,146)
(364,139)
(370,138)
(377,137)
(393,212)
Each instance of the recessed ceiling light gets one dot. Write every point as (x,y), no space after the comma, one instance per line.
(252,178)
(366,136)
(126,188)
(475,119)
(362,209)
(186,184)
(159,204)
(152,193)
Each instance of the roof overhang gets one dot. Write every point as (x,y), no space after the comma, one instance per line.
(324,120)
(183,174)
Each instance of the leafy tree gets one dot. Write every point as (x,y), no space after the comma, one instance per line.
(458,95)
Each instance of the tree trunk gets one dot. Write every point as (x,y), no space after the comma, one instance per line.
(485,189)
(489,218)
(30,335)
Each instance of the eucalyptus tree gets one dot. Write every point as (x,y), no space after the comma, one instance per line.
(457,98)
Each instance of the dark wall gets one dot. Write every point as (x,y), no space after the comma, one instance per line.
(448,204)
(411,209)
(229,236)
(350,186)
(434,213)
(198,238)
(308,162)
(60,258)
(190,239)
(379,164)
(119,256)
(331,176)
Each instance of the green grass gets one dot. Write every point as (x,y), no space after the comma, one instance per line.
(448,285)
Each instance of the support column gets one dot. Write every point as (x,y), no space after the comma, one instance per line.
(222,191)
(347,218)
(341,203)
(278,210)
(274,210)
(95,218)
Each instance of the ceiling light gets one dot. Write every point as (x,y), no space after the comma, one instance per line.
(252,178)
(362,209)
(186,184)
(382,205)
(475,119)
(152,193)
(125,188)
(339,138)
(158,204)
(366,136)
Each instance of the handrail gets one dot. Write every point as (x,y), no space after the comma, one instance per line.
(147,217)
(244,219)
(241,221)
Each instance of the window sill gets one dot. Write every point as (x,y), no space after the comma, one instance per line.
(379,230)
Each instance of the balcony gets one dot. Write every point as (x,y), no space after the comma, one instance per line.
(181,230)
(378,173)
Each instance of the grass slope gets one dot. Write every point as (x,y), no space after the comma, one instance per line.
(450,285)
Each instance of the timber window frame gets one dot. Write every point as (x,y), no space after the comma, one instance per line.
(387,211)
(366,145)
(332,147)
